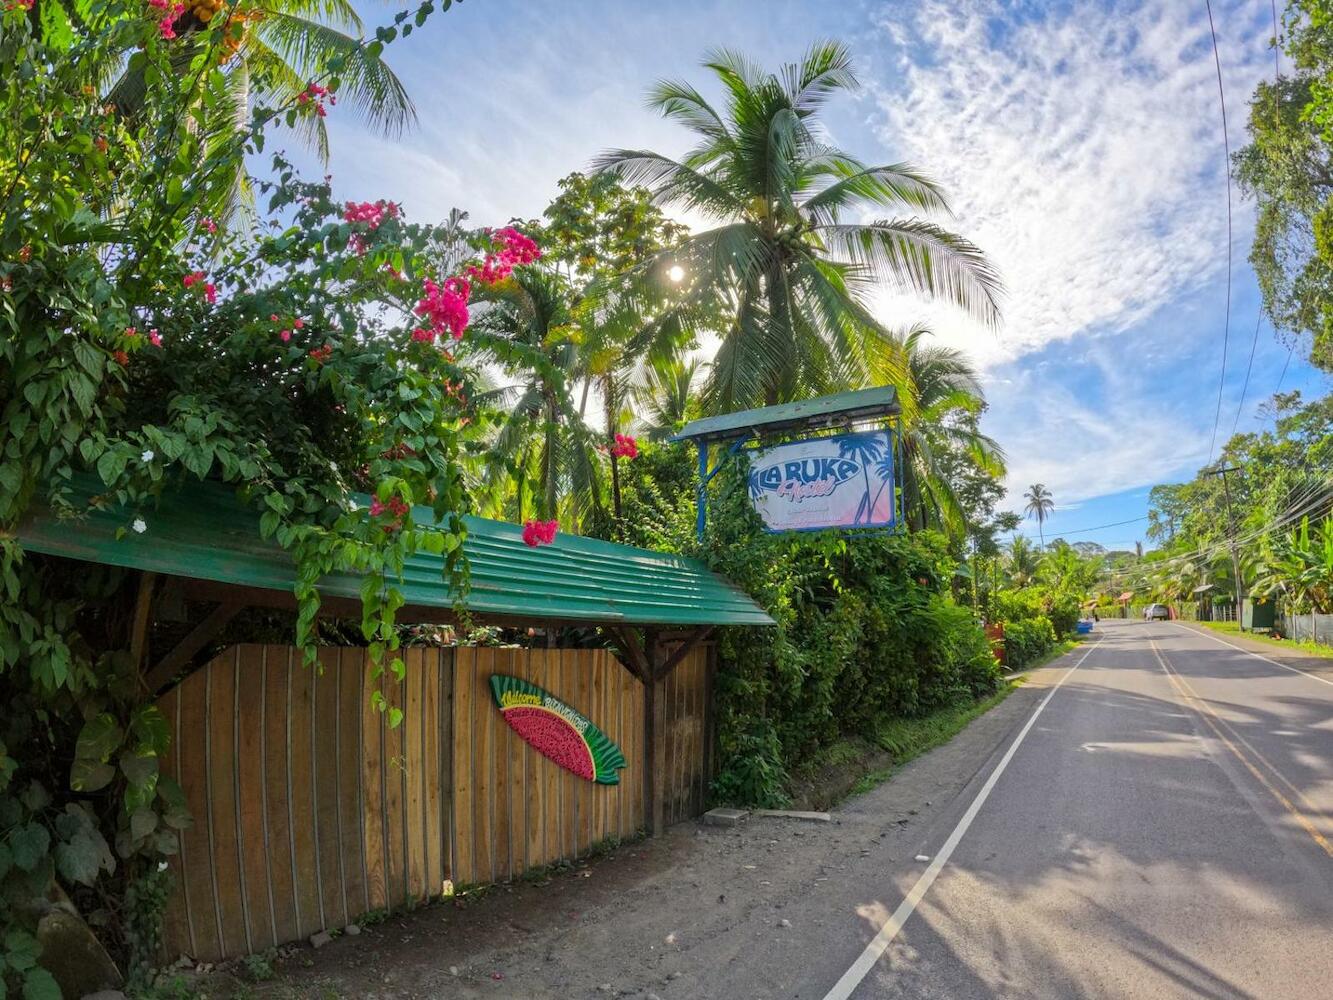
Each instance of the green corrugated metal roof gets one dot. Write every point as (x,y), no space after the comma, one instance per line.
(854,405)
(204,532)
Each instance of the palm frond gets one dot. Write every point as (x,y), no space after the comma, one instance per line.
(925,258)
(825,69)
(671,182)
(368,84)
(891,186)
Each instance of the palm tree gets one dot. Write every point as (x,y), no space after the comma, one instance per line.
(1040,504)
(1021,562)
(542,441)
(788,270)
(274,49)
(941,396)
(665,397)
(866,449)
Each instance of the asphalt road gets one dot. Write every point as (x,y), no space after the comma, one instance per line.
(1163,828)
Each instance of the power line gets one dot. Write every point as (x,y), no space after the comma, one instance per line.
(1226,147)
(1245,388)
(1099,527)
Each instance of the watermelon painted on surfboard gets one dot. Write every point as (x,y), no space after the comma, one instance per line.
(556,731)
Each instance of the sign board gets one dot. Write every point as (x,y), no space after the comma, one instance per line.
(557,731)
(829,482)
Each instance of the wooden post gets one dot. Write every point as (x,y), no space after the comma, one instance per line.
(654,726)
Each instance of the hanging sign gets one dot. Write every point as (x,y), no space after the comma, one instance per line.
(556,731)
(829,482)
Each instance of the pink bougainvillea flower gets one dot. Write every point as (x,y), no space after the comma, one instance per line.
(298,323)
(444,308)
(322,354)
(121,357)
(625,447)
(512,249)
(131,331)
(211,293)
(539,532)
(286,335)
(154,337)
(210,225)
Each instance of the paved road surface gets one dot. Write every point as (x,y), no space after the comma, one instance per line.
(1164,828)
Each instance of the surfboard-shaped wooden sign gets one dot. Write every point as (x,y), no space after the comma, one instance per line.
(556,731)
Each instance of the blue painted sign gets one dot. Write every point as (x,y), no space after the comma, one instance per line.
(829,482)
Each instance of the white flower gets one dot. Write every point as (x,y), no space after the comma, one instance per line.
(161,866)
(147,456)
(139,525)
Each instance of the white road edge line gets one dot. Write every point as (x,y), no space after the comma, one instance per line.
(1250,652)
(851,979)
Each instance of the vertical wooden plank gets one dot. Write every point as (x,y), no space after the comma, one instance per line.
(372,787)
(587,800)
(414,818)
(465,837)
(501,734)
(325,751)
(597,712)
(277,790)
(483,765)
(175,919)
(430,769)
(569,802)
(250,791)
(301,798)
(197,851)
(626,748)
(545,665)
(518,781)
(534,781)
(223,807)
(395,861)
(450,854)
(351,664)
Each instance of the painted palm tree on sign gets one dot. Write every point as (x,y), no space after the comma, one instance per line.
(866,449)
(1040,504)
(785,265)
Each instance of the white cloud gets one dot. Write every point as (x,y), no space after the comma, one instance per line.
(1081,149)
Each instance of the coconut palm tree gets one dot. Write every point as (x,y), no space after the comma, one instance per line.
(941,396)
(1021,561)
(1040,504)
(273,49)
(542,459)
(789,263)
(665,398)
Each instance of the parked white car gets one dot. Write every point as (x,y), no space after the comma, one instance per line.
(1156,612)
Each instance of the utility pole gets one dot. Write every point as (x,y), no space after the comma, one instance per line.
(1231,537)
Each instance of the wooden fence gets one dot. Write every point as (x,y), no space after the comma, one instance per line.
(310,810)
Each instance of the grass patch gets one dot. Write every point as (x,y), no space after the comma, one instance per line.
(1054,653)
(1307,647)
(906,739)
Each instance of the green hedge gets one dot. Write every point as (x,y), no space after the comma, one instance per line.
(1025,641)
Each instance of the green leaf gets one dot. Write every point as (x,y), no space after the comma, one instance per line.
(28,845)
(90,775)
(38,984)
(142,823)
(139,769)
(149,726)
(395,717)
(99,738)
(111,465)
(83,857)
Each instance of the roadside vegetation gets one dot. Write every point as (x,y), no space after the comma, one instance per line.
(180,305)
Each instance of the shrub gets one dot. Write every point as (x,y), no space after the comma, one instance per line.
(1026,640)
(1063,612)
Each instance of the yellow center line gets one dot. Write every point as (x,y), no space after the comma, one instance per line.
(1215,723)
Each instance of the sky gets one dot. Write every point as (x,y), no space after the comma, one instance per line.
(1080,145)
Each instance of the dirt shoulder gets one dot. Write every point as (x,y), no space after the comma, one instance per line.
(757,910)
